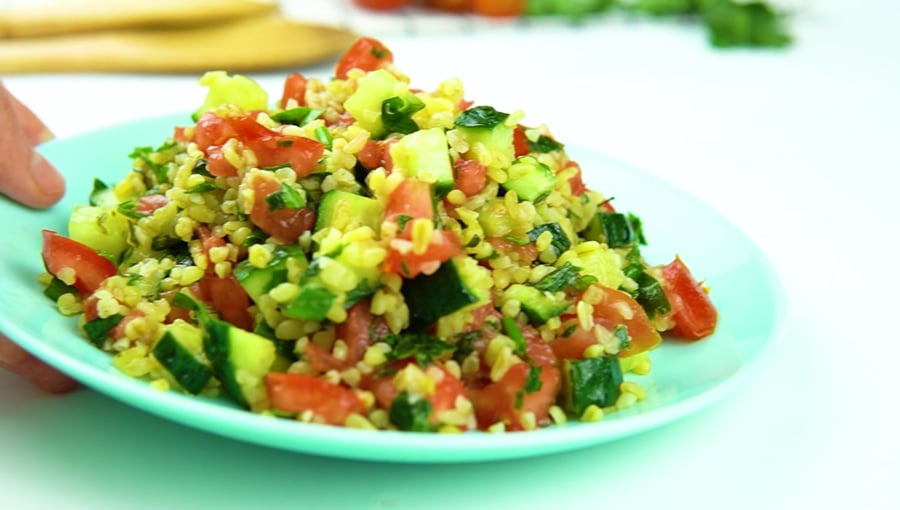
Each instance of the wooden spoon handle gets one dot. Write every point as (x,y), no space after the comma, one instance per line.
(75,16)
(256,43)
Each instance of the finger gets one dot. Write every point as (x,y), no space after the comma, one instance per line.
(25,175)
(36,132)
(20,362)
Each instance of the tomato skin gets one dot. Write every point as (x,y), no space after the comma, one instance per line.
(402,260)
(270,147)
(377,153)
(273,148)
(294,88)
(470,176)
(573,345)
(694,314)
(446,391)
(90,267)
(411,198)
(367,54)
(522,253)
(296,393)
(382,5)
(520,142)
(497,401)
(360,330)
(228,298)
(607,313)
(576,183)
(285,224)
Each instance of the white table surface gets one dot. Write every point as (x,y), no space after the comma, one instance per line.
(799,148)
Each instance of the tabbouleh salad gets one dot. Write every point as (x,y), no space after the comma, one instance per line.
(370,255)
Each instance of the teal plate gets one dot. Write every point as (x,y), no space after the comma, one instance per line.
(686,376)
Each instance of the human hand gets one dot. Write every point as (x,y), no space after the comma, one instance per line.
(25,176)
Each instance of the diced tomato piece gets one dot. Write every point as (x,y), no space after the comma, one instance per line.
(228,298)
(694,314)
(286,224)
(618,308)
(573,345)
(576,182)
(321,359)
(464,104)
(402,260)
(360,330)
(147,204)
(90,267)
(446,391)
(411,198)
(367,54)
(212,130)
(523,253)
(469,175)
(370,157)
(294,88)
(507,400)
(273,148)
(270,147)
(297,393)
(520,142)
(180,134)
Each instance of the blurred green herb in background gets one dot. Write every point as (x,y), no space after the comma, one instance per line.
(730,22)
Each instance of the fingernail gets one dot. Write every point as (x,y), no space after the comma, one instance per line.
(48,180)
(45,136)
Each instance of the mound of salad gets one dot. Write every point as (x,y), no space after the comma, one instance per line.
(367,254)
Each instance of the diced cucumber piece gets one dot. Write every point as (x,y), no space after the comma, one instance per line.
(235,89)
(344,210)
(240,360)
(257,281)
(179,351)
(425,155)
(530,179)
(538,305)
(450,288)
(105,230)
(365,104)
(490,144)
(590,381)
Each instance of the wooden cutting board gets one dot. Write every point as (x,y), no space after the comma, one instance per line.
(251,43)
(76,16)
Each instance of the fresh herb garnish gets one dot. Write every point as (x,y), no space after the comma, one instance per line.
(480,116)
(98,329)
(288,198)
(57,288)
(411,414)
(425,348)
(396,113)
(299,116)
(544,144)
(567,277)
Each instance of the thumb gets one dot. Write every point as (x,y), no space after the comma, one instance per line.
(25,175)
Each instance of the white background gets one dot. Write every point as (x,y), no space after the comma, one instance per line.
(798,148)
